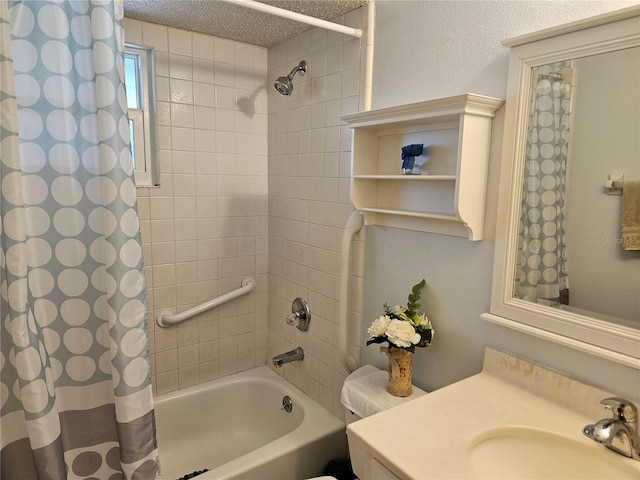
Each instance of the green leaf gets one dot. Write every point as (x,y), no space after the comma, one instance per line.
(414,297)
(377,340)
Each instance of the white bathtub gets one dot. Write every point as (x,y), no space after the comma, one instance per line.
(235,426)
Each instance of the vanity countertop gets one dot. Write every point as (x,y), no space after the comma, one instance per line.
(431,437)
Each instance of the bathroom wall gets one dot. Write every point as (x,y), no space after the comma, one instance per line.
(211,222)
(309,202)
(433,49)
(205,228)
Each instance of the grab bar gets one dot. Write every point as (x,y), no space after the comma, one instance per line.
(166,318)
(353,226)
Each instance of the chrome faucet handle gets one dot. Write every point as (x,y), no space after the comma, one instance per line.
(622,409)
(300,315)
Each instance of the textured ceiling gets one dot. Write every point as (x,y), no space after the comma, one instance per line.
(226,20)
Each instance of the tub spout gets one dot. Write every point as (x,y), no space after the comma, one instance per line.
(291,356)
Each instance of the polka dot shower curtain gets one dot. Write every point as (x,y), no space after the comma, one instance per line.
(75,378)
(543,274)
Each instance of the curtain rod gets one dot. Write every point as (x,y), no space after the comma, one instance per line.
(298,17)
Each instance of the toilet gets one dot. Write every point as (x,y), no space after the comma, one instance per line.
(364,393)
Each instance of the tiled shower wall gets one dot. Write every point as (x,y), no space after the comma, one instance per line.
(205,228)
(309,203)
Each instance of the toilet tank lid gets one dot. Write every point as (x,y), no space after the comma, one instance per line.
(365,392)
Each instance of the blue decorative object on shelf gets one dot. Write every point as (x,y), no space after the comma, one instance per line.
(409,153)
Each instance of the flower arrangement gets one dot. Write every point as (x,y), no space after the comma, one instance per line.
(403,327)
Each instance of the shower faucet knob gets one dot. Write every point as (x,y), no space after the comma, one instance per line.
(300,315)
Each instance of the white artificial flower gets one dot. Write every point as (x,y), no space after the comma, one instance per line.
(422,320)
(398,309)
(402,334)
(379,326)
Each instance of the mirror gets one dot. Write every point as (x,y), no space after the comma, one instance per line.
(572,120)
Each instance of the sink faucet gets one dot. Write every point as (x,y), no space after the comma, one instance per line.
(290,356)
(619,433)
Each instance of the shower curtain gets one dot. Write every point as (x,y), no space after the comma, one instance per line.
(75,375)
(543,276)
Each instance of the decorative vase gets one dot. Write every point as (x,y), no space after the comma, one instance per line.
(400,361)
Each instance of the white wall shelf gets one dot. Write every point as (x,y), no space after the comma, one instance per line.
(449,196)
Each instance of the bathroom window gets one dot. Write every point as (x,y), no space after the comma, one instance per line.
(141,102)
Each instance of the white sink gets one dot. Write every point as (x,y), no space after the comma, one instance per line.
(514,420)
(515,452)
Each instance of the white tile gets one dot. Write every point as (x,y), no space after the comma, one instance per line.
(204,118)
(162,64)
(132,31)
(260,58)
(204,94)
(184,185)
(183,162)
(208,227)
(203,71)
(317,140)
(224,50)
(334,86)
(228,365)
(205,185)
(244,55)
(155,36)
(163,253)
(163,113)
(334,59)
(209,351)
(186,251)
(180,41)
(209,370)
(206,207)
(351,53)
(186,274)
(350,82)
(225,97)
(318,90)
(188,376)
(205,141)
(182,138)
(318,114)
(225,74)
(246,360)
(166,361)
(203,46)
(162,208)
(208,331)
(332,139)
(164,145)
(225,141)
(185,207)
(162,230)
(166,382)
(205,163)
(188,356)
(181,115)
(317,64)
(180,66)
(318,39)
(181,91)
(207,271)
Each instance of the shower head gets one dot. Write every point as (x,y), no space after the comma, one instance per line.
(284,85)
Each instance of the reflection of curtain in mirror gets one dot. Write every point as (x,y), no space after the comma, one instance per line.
(542,259)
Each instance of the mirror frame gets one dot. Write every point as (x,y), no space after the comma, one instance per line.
(604,33)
